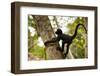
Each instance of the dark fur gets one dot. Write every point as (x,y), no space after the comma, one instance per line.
(65,38)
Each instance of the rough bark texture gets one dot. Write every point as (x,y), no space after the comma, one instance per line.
(45,31)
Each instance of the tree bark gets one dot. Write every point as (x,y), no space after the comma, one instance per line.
(45,31)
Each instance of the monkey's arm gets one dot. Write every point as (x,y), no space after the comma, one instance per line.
(56,39)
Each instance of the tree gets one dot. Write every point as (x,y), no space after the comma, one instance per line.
(44,28)
(45,31)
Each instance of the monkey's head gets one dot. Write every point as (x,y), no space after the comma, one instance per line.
(58,32)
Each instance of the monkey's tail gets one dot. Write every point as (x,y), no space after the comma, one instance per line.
(75,33)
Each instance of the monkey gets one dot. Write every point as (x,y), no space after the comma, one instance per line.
(65,39)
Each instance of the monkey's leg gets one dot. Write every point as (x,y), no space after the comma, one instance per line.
(67,51)
(63,46)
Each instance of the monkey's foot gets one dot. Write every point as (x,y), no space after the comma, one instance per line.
(65,55)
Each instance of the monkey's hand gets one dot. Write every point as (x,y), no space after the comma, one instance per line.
(50,41)
(46,43)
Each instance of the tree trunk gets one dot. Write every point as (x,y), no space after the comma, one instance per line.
(45,31)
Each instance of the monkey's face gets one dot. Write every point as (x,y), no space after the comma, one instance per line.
(58,32)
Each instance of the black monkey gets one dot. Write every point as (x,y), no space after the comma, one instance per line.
(65,38)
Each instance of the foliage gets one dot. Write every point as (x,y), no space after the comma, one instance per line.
(78,46)
(31,21)
(33,47)
(38,51)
